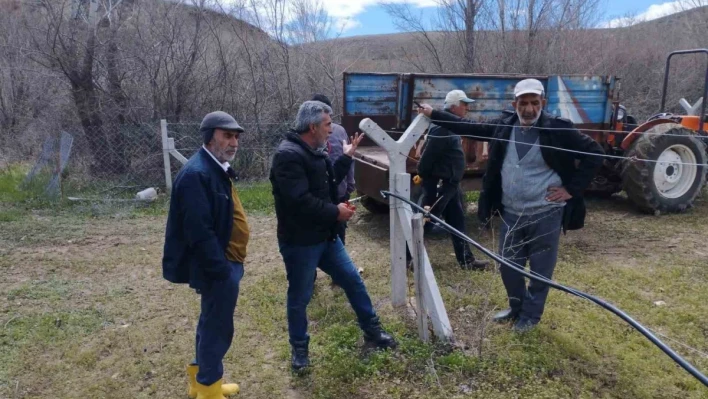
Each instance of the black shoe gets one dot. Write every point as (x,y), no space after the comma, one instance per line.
(524,325)
(375,335)
(300,356)
(474,265)
(506,315)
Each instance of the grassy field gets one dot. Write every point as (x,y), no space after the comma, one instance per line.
(85,312)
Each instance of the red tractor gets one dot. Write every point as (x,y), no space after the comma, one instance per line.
(666,169)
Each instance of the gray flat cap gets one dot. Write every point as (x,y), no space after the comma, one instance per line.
(220,120)
(217,120)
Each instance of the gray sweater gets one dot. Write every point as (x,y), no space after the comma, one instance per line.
(525,181)
(335,150)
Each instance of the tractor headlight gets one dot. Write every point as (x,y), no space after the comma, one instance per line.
(621,112)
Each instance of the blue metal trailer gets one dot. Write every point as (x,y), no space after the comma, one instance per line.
(388,99)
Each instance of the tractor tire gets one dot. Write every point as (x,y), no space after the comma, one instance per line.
(675,175)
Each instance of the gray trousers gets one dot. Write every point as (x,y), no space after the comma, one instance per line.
(534,239)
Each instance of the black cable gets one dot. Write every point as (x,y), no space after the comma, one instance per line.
(622,315)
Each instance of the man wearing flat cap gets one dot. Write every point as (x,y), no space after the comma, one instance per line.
(539,165)
(205,247)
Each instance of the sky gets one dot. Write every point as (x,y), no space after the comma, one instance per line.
(367,17)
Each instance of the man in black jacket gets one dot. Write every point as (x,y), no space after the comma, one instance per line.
(305,184)
(443,160)
(533,183)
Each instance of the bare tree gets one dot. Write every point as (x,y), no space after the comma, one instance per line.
(69,41)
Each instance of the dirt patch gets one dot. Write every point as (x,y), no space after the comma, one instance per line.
(112,270)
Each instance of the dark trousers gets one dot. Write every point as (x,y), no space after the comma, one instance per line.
(215,329)
(534,239)
(447,203)
(301,263)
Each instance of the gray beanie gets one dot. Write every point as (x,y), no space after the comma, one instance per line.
(217,120)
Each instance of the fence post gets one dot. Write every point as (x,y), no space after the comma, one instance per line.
(166,156)
(418,252)
(58,166)
(399,182)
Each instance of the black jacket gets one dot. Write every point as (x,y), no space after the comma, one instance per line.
(305,184)
(563,135)
(443,157)
(199,224)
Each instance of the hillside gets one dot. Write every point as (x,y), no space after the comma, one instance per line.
(388,47)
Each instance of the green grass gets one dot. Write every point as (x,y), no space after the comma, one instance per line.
(256,197)
(14,190)
(471,196)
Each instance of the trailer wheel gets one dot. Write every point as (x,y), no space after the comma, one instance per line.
(374,206)
(675,172)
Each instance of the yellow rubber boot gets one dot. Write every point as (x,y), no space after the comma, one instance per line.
(193,369)
(212,391)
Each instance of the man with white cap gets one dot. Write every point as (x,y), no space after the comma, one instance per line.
(533,182)
(205,246)
(443,160)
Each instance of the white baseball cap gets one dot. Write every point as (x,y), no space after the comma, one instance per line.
(454,97)
(528,86)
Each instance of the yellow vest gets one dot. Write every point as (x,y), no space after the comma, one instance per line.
(236,250)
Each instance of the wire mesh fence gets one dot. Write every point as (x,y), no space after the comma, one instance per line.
(115,162)
(256,146)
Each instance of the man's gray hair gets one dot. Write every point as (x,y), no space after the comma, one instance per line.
(310,113)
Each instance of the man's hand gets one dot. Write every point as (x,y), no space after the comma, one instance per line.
(557,194)
(425,109)
(349,149)
(345,212)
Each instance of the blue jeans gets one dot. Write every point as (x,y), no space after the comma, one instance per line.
(215,329)
(301,263)
(534,239)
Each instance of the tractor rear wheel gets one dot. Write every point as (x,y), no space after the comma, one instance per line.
(668,172)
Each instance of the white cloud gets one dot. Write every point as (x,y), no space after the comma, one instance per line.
(344,11)
(655,11)
(345,24)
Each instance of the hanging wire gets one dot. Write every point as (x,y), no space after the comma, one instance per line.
(464,122)
(631,159)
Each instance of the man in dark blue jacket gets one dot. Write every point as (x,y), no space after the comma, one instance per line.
(306,204)
(205,246)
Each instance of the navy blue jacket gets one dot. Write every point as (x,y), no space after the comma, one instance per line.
(305,190)
(199,224)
